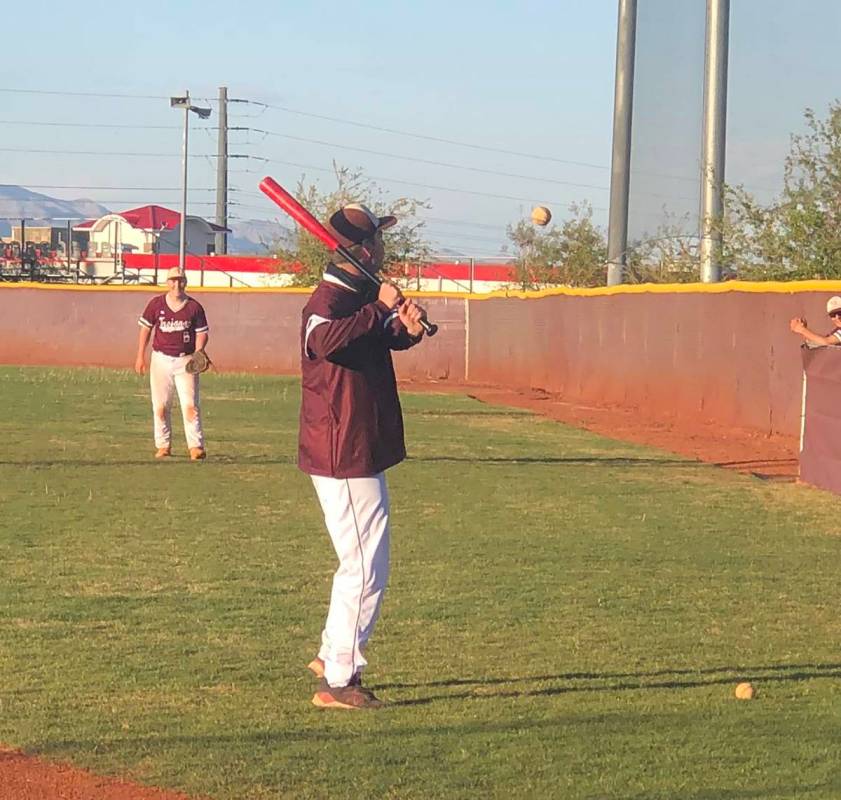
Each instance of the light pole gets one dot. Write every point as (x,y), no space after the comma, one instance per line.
(620,166)
(714,137)
(203,113)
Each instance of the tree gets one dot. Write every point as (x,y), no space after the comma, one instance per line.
(798,234)
(668,256)
(403,243)
(572,254)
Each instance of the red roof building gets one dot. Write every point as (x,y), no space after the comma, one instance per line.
(145,230)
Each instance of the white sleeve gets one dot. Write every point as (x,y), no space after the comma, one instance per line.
(312,323)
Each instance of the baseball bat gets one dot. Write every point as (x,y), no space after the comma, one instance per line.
(275,192)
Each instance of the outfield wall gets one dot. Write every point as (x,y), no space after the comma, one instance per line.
(719,352)
(252,330)
(702,352)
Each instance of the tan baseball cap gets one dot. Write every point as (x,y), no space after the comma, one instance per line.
(833,304)
(354,223)
(175,272)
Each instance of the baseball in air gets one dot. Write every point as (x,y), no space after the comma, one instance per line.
(541,215)
(745,691)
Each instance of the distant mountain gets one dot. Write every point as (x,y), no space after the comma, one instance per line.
(17,202)
(448,252)
(90,208)
(257,236)
(253,237)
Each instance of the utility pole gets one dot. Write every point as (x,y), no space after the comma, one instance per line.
(714,137)
(222,174)
(620,169)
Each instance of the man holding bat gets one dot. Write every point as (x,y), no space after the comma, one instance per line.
(351,431)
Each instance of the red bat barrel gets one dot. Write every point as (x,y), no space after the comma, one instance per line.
(272,189)
(275,192)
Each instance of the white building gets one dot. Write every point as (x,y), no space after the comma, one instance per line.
(147,229)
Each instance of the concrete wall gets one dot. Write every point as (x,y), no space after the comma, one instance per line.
(720,352)
(724,355)
(256,330)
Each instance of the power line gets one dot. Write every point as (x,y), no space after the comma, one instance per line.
(88,94)
(469,145)
(422,160)
(121,201)
(340,120)
(449,165)
(468,237)
(43,151)
(87,125)
(107,188)
(499,228)
(441,221)
(425,137)
(562,203)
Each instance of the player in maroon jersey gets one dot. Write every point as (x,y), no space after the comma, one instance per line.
(180,328)
(351,432)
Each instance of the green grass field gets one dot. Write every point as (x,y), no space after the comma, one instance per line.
(567,615)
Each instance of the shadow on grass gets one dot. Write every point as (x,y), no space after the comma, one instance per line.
(756,467)
(145,462)
(594,461)
(718,793)
(478,414)
(615,682)
(782,470)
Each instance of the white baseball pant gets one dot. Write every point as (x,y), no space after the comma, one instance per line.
(356,513)
(164,372)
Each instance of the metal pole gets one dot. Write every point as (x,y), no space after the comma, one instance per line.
(472,271)
(620,170)
(69,244)
(715,133)
(222,173)
(182,239)
(23,246)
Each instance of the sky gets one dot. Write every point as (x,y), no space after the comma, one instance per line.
(534,79)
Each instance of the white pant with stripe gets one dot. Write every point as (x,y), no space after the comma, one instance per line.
(166,372)
(356,514)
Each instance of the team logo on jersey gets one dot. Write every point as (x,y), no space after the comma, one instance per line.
(174,325)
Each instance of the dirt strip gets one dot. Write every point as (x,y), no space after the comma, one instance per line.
(767,457)
(23,777)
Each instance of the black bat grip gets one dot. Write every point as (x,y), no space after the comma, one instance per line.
(430,327)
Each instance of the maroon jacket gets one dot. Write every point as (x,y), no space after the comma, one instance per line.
(351,420)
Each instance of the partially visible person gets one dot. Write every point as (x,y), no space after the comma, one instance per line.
(833,308)
(180,328)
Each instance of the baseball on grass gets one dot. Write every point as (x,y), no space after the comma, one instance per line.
(745,691)
(540,215)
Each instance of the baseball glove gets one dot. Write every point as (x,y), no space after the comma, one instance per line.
(199,362)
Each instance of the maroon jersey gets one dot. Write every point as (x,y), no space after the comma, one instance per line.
(175,331)
(351,421)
